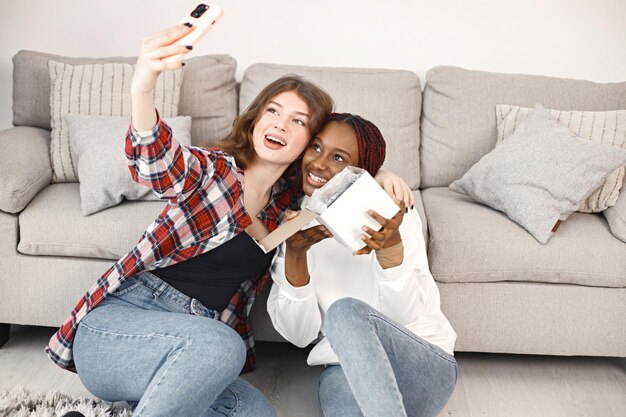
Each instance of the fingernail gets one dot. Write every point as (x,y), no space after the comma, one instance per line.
(188,24)
(406,210)
(190,47)
(412,207)
(182,64)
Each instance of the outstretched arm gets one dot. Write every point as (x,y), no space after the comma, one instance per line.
(155,158)
(150,65)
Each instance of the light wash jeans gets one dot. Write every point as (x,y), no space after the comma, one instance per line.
(165,354)
(385,369)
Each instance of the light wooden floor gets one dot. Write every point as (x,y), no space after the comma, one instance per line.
(489,385)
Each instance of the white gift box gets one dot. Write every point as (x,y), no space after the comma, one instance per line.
(341,205)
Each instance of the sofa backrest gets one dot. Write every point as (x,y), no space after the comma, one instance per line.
(389,98)
(208,92)
(459,118)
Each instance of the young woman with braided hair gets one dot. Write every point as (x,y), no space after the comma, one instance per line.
(387,347)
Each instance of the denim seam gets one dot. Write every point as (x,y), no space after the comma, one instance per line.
(413,337)
(237,407)
(383,354)
(106,332)
(150,395)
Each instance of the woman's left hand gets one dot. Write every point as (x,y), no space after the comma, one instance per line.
(387,236)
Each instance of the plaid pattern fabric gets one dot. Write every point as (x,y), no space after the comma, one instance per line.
(205,209)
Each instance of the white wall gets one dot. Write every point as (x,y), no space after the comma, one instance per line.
(567,38)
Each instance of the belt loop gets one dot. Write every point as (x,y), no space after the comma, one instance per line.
(159,290)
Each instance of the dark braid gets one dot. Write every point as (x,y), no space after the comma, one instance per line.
(370,141)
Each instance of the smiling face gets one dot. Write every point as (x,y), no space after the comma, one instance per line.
(282,130)
(334,148)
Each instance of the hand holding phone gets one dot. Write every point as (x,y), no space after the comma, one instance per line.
(202,18)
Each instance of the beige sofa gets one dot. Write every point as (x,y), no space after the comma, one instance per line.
(501,290)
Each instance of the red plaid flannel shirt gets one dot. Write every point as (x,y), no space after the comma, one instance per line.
(204,189)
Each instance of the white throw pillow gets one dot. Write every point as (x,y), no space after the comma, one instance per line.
(101,159)
(96,89)
(606,127)
(540,174)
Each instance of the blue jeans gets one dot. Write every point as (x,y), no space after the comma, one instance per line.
(165,354)
(385,370)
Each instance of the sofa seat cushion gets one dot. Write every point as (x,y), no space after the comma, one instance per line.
(53,224)
(470,242)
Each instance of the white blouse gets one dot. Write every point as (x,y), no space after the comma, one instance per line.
(406,293)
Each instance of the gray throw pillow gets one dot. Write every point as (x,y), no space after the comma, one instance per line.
(616,217)
(606,127)
(540,174)
(99,144)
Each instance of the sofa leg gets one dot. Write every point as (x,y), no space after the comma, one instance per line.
(5,329)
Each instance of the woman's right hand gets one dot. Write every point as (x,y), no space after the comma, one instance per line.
(296,266)
(150,63)
(301,241)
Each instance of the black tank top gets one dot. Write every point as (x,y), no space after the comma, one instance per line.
(213,277)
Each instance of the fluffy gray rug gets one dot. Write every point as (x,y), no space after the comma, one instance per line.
(18,402)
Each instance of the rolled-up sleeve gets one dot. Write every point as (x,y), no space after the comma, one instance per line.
(158,161)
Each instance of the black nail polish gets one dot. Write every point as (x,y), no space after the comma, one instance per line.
(182,64)
(190,47)
(406,210)
(188,24)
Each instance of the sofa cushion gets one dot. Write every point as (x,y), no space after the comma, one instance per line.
(53,224)
(459,119)
(101,90)
(391,99)
(470,242)
(101,161)
(24,166)
(540,174)
(607,127)
(208,92)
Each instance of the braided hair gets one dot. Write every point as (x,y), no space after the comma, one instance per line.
(370,141)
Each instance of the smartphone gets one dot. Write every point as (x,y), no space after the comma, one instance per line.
(203,17)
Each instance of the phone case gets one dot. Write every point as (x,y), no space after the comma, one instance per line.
(203,17)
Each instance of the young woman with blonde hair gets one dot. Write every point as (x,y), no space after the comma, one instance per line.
(166,327)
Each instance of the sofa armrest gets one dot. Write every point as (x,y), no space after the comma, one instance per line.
(24,166)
